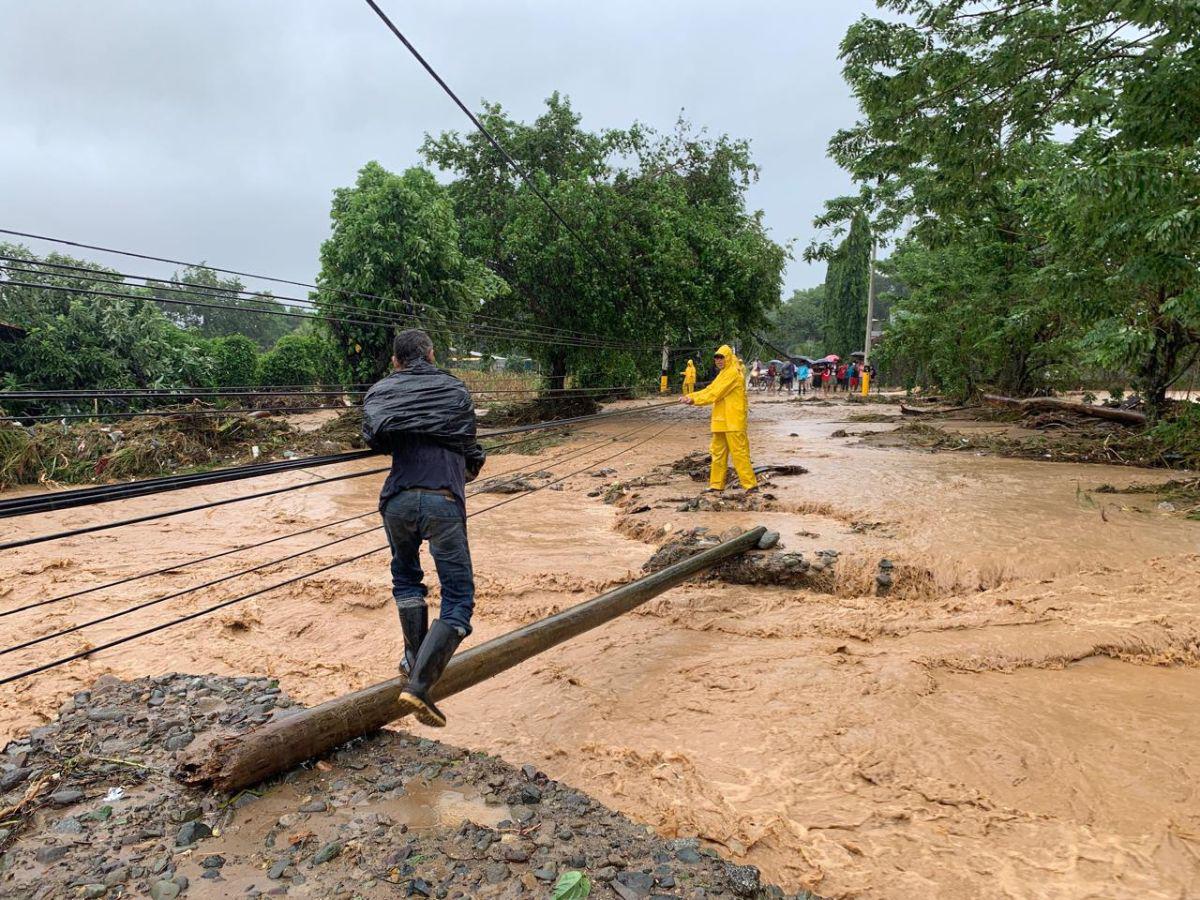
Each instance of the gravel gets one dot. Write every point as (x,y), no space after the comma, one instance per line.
(336,828)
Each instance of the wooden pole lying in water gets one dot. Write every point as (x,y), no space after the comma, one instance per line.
(238,761)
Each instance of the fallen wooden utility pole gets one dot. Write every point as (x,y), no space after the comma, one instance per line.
(1053,404)
(238,761)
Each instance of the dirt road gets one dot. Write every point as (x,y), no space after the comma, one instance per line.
(1018,719)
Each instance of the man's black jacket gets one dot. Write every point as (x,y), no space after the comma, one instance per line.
(423,400)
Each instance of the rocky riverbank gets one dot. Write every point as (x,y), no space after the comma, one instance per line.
(89,808)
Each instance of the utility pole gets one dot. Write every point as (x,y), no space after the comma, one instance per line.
(666,362)
(870,304)
(865,380)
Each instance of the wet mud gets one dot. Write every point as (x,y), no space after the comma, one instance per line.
(1013,717)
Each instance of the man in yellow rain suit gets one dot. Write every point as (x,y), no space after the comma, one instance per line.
(727,394)
(689,378)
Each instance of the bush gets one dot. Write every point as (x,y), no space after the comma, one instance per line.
(299,359)
(235,360)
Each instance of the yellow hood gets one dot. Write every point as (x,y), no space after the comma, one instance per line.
(730,357)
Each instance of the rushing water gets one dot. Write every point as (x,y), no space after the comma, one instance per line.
(1017,719)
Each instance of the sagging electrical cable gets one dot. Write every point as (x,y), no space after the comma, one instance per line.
(263,411)
(289,581)
(124,490)
(482,331)
(491,483)
(270,302)
(266,392)
(512,163)
(598,393)
(183,564)
(304,284)
(85,496)
(91,529)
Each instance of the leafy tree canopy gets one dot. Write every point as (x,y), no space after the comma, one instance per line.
(227,311)
(396,237)
(1050,149)
(663,245)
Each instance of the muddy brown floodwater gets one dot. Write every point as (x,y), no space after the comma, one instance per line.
(1020,718)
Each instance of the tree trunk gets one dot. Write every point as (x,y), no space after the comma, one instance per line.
(557,378)
(1157,371)
(1053,404)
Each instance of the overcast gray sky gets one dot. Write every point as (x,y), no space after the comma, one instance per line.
(217,129)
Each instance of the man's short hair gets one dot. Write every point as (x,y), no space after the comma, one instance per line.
(411,344)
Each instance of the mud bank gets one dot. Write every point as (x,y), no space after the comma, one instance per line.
(1016,718)
(92,811)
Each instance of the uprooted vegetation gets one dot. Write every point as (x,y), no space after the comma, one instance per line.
(92,451)
(542,409)
(1177,495)
(1173,443)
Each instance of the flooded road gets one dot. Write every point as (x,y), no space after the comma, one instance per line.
(1018,718)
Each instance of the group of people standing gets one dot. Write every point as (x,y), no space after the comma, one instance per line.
(832,377)
(827,377)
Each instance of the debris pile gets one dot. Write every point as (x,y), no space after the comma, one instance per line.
(696,466)
(91,811)
(88,451)
(728,500)
(516,484)
(767,566)
(546,408)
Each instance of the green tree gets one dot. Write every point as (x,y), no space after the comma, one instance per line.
(798,325)
(1055,144)
(299,359)
(396,237)
(227,311)
(660,245)
(844,303)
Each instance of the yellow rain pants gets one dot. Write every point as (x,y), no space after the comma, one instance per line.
(736,444)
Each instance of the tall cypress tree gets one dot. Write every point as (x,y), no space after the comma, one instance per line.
(845,302)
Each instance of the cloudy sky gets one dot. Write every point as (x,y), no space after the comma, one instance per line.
(217,129)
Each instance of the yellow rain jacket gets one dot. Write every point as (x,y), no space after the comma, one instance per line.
(727,394)
(689,377)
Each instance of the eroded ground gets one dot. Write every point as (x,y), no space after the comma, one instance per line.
(1018,718)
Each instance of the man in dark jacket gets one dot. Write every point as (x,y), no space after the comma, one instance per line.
(424,417)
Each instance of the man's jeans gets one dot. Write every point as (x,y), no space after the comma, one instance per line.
(413,516)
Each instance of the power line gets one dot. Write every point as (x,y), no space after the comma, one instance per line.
(169,413)
(104,526)
(483,331)
(266,392)
(270,303)
(203,559)
(274,562)
(303,284)
(70,499)
(289,581)
(512,163)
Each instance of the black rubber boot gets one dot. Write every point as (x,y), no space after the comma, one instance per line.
(439,646)
(414,622)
